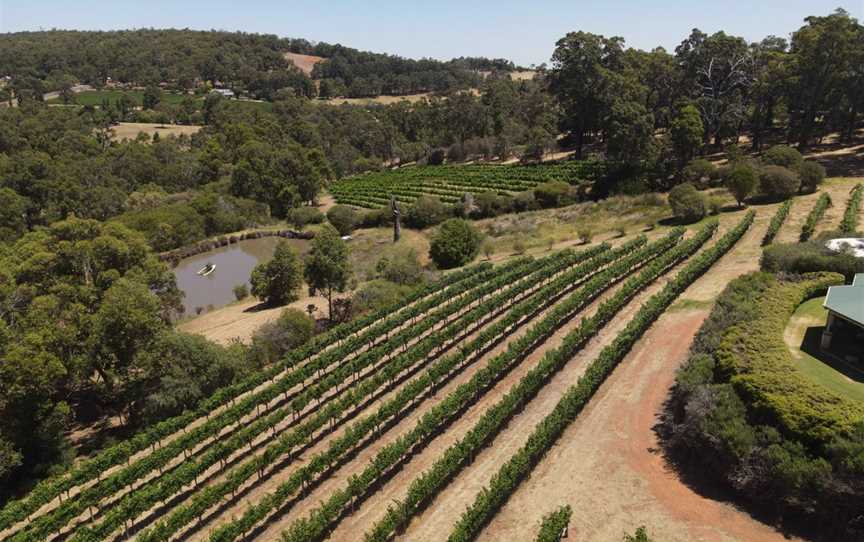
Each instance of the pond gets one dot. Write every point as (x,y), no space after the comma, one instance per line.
(234,264)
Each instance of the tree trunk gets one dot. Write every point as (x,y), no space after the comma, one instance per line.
(330,303)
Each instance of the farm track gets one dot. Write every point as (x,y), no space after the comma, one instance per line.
(434,522)
(607,465)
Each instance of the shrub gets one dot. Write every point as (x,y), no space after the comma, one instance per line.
(553,194)
(742,181)
(436,157)
(343,218)
(241,291)
(455,153)
(273,340)
(783,156)
(698,172)
(377,294)
(525,201)
(688,204)
(812,175)
(809,257)
(488,204)
(400,265)
(455,244)
(300,217)
(426,211)
(519,245)
(778,182)
(585,234)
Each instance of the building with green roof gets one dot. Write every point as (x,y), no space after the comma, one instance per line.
(845,306)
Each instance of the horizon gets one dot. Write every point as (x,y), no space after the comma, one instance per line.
(528,37)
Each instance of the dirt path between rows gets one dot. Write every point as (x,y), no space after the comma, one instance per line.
(607,465)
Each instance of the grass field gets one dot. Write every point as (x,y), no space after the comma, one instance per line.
(802,336)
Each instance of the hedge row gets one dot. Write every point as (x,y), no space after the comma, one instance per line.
(754,357)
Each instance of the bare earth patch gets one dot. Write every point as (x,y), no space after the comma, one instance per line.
(130,130)
(304,62)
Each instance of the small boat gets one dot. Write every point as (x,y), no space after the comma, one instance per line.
(207,269)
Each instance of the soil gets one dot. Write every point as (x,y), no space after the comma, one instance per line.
(130,130)
(304,62)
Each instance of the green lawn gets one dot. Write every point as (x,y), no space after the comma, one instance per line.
(803,335)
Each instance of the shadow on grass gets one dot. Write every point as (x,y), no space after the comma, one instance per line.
(836,358)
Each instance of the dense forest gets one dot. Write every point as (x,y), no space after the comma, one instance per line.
(85,305)
(253,64)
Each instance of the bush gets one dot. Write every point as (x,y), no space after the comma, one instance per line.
(783,156)
(553,194)
(300,217)
(400,265)
(489,204)
(778,182)
(455,153)
(273,340)
(809,257)
(343,218)
(241,291)
(688,204)
(698,172)
(436,157)
(377,294)
(742,181)
(585,234)
(426,211)
(456,243)
(812,175)
(525,201)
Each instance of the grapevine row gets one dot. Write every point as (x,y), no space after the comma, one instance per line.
(777,222)
(853,207)
(815,216)
(434,421)
(553,525)
(490,499)
(189,472)
(91,469)
(234,415)
(424,488)
(214,494)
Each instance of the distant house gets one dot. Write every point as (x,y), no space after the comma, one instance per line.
(226,92)
(845,306)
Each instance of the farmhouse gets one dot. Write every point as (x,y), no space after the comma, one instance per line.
(845,306)
(226,92)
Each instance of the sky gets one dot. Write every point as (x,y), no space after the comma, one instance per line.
(524,32)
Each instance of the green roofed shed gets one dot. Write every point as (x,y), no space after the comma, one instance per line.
(845,303)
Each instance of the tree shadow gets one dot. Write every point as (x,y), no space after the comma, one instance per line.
(260,307)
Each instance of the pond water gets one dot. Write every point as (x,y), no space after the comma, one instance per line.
(234,264)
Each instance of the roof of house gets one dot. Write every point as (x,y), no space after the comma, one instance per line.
(848,301)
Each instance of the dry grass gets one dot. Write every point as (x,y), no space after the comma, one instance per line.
(130,130)
(380,100)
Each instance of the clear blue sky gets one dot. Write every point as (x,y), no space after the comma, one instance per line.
(523,31)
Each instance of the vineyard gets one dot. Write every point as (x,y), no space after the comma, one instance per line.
(293,451)
(450,183)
